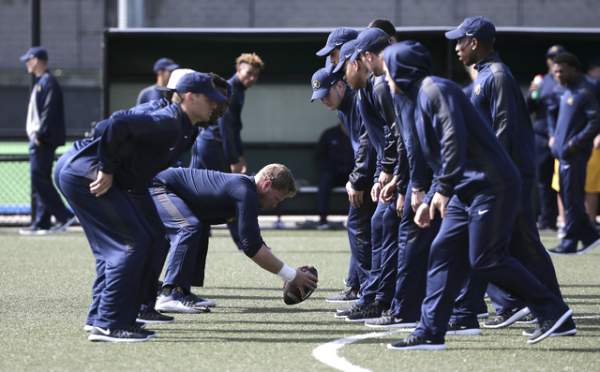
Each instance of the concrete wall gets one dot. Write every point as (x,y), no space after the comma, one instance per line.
(72,32)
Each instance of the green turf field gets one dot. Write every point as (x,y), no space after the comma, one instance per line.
(45,286)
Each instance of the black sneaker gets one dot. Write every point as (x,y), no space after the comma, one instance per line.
(506,319)
(559,249)
(463,328)
(590,247)
(342,313)
(414,342)
(348,295)
(152,316)
(387,320)
(88,327)
(367,312)
(568,328)
(132,334)
(547,327)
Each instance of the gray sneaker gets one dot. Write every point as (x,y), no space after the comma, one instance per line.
(200,301)
(506,319)
(386,320)
(33,231)
(347,295)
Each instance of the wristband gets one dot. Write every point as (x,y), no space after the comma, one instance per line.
(287,273)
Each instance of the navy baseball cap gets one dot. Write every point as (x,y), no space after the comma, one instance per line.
(164,64)
(555,50)
(478,27)
(35,52)
(322,81)
(336,39)
(345,53)
(199,82)
(370,40)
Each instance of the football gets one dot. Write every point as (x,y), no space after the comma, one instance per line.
(291,292)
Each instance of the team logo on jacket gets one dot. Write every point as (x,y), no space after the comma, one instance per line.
(570,101)
(316,84)
(477,89)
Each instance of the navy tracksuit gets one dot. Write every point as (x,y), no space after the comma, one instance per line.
(544,160)
(220,144)
(122,226)
(498,98)
(189,201)
(150,93)
(46,124)
(361,179)
(377,111)
(413,242)
(576,126)
(473,169)
(335,160)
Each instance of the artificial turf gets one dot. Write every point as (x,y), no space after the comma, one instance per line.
(45,288)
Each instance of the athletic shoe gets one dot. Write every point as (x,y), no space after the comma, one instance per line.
(348,295)
(589,247)
(132,334)
(152,316)
(88,327)
(342,313)
(529,319)
(199,301)
(414,342)
(559,249)
(463,328)
(62,226)
(547,327)
(561,233)
(506,319)
(568,328)
(174,300)
(367,312)
(33,231)
(386,320)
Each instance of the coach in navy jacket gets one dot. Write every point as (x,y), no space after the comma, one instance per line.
(576,126)
(46,131)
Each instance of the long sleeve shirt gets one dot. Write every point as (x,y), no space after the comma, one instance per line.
(45,113)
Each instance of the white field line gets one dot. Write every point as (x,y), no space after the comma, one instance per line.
(327,353)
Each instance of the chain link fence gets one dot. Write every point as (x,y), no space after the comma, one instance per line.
(15,190)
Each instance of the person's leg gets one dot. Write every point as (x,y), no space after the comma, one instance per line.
(577,224)
(546,195)
(369,288)
(49,201)
(591,205)
(389,258)
(116,234)
(359,235)
(326,179)
(446,272)
(208,154)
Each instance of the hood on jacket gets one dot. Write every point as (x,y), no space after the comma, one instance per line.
(407,62)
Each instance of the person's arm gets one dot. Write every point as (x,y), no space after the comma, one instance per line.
(590,130)
(45,100)
(251,242)
(503,108)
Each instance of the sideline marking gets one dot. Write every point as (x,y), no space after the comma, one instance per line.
(327,353)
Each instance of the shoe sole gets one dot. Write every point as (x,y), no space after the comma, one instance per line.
(589,248)
(483,316)
(177,308)
(88,328)
(570,332)
(154,321)
(514,318)
(103,338)
(465,332)
(360,320)
(340,301)
(46,232)
(557,324)
(407,326)
(418,347)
